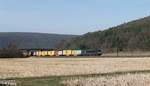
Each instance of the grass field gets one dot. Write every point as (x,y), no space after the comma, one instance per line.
(61,70)
(120,80)
(128,54)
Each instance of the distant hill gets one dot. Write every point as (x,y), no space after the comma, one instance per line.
(134,35)
(32,40)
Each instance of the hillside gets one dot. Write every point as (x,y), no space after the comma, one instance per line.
(134,35)
(31,40)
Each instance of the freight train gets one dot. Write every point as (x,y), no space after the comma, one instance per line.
(44,52)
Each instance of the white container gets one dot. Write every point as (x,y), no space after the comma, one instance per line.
(60,53)
(76,52)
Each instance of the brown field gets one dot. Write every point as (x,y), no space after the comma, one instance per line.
(37,67)
(129,53)
(122,80)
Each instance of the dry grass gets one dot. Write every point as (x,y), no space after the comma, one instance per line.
(129,53)
(37,67)
(122,80)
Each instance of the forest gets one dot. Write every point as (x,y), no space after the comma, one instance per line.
(130,36)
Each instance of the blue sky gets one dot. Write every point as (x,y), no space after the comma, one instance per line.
(68,16)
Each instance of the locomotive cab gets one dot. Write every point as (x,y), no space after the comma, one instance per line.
(99,52)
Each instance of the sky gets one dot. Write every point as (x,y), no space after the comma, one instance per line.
(68,16)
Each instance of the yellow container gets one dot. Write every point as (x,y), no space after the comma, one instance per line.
(44,53)
(73,52)
(39,53)
(51,53)
(67,52)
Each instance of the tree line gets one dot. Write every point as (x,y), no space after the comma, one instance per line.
(11,51)
(131,36)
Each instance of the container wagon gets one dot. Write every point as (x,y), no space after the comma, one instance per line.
(90,52)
